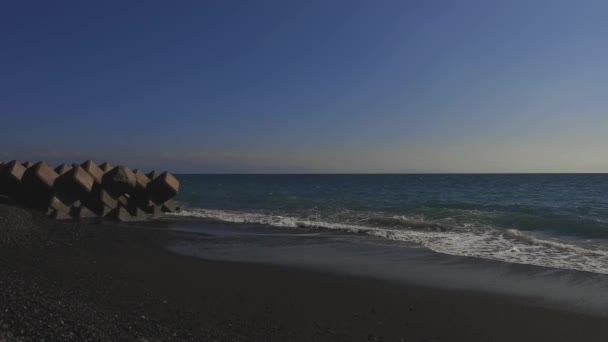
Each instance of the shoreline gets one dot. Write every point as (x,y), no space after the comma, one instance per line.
(90,281)
(380,259)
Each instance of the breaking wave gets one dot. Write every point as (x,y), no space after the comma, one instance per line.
(448,236)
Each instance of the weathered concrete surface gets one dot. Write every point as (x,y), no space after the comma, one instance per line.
(154,210)
(37,185)
(75,185)
(140,195)
(106,167)
(63,168)
(119,181)
(84,213)
(169,206)
(163,188)
(78,179)
(14,170)
(136,212)
(11,177)
(151,208)
(123,201)
(107,200)
(153,175)
(120,214)
(2,188)
(56,204)
(42,175)
(104,212)
(60,215)
(94,170)
(87,190)
(101,202)
(58,209)
(141,180)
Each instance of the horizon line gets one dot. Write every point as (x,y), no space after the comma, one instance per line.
(392,173)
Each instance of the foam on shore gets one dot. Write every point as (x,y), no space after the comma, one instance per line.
(445,236)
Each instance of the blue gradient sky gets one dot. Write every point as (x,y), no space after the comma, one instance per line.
(307,86)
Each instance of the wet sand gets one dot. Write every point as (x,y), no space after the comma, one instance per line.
(102,282)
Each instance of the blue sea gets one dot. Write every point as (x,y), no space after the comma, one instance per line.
(557,221)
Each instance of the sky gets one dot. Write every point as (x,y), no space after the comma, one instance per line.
(319,86)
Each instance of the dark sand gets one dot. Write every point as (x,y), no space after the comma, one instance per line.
(90,282)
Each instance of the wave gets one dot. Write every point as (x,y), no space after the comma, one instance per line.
(446,235)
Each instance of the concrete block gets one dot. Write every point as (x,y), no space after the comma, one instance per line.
(163,188)
(11,178)
(151,208)
(105,211)
(60,215)
(84,213)
(75,184)
(141,180)
(42,175)
(14,171)
(27,164)
(136,209)
(119,181)
(37,186)
(105,167)
(137,213)
(56,204)
(101,203)
(3,190)
(107,200)
(155,210)
(123,201)
(63,168)
(153,175)
(94,170)
(169,206)
(120,214)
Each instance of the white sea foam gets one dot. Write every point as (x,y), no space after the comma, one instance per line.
(443,236)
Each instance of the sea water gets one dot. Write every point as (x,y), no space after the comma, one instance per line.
(552,220)
(543,238)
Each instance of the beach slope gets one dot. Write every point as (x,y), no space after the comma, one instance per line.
(105,282)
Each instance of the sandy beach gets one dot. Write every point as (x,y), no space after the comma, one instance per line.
(303,171)
(104,282)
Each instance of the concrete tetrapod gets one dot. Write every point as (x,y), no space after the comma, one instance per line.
(163,188)
(119,181)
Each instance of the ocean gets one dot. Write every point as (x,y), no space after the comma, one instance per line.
(552,220)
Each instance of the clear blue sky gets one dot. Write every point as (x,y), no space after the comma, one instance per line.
(307,86)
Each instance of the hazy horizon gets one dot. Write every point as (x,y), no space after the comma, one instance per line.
(308,87)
